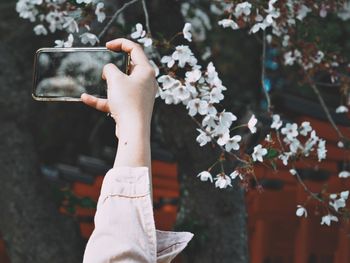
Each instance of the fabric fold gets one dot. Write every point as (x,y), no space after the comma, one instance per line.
(124,222)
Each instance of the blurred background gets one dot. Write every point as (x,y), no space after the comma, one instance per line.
(53,156)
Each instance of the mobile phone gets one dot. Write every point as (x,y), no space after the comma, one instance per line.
(63,74)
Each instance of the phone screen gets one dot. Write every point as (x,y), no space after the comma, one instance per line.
(62,74)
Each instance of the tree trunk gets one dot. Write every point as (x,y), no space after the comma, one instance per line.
(217,217)
(30,224)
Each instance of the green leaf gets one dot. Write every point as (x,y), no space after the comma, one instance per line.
(271,153)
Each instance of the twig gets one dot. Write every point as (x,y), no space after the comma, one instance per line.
(145,10)
(114,17)
(324,106)
(263,73)
(306,189)
(327,84)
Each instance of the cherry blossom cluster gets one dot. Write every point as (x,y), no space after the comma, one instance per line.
(72,17)
(293,140)
(337,204)
(279,20)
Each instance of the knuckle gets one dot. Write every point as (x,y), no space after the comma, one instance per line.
(138,46)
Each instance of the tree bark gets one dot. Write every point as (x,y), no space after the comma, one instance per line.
(217,217)
(30,223)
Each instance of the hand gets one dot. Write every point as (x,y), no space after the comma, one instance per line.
(130,98)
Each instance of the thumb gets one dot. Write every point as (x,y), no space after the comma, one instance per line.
(111,73)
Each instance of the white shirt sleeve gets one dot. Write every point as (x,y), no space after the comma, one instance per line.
(124,223)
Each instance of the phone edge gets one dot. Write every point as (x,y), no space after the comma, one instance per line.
(52,49)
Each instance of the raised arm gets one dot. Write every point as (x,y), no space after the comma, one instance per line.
(130,102)
(124,223)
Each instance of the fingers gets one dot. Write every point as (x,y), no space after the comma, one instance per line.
(97,103)
(111,73)
(137,54)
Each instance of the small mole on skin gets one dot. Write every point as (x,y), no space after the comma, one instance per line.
(125,143)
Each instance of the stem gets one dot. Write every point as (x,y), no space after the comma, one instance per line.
(145,10)
(239,126)
(306,189)
(324,106)
(114,17)
(263,73)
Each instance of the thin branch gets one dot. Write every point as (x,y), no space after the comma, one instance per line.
(263,73)
(306,189)
(324,106)
(145,10)
(115,16)
(327,84)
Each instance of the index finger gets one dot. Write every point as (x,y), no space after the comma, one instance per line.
(137,54)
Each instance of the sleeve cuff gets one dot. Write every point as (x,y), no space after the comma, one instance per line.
(126,181)
(170,244)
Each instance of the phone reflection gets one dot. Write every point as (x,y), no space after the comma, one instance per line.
(63,74)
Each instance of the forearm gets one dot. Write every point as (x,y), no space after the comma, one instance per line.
(134,148)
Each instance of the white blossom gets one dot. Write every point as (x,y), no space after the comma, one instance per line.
(187,32)
(205,176)
(168,60)
(258,153)
(183,55)
(139,32)
(89,38)
(181,92)
(301,211)
(340,144)
(251,124)
(321,150)
(285,157)
(228,23)
(203,138)
(236,174)
(344,174)
(84,1)
(226,118)
(193,76)
(62,43)
(40,30)
(146,41)
(101,16)
(337,204)
(243,8)
(268,138)
(56,20)
(294,145)
(223,138)
(216,95)
(290,131)
(210,121)
(344,195)
(71,25)
(222,181)
(327,219)
(233,143)
(302,12)
(197,106)
(276,122)
(293,172)
(305,128)
(341,109)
